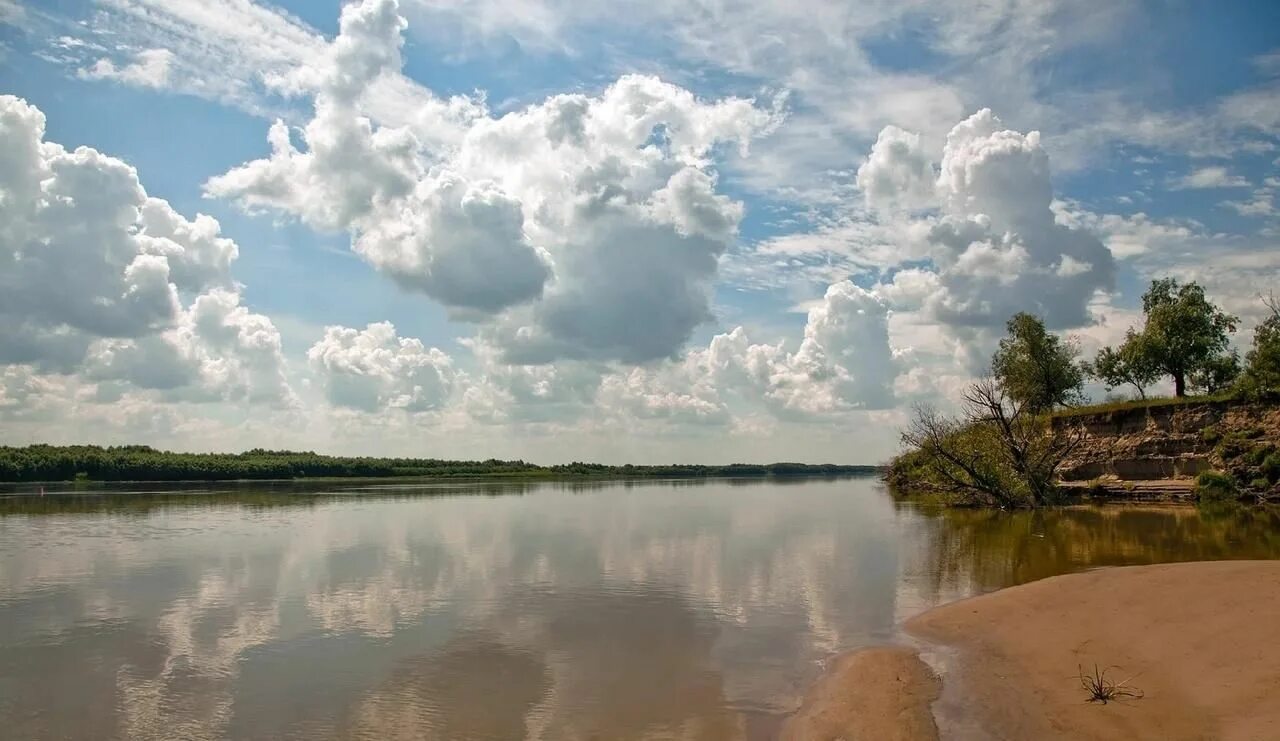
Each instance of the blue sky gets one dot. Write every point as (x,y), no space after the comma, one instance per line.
(785,168)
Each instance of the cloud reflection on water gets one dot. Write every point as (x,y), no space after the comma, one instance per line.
(613,611)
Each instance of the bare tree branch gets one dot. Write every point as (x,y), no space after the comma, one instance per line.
(995,452)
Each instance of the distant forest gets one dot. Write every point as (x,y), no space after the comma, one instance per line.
(143,463)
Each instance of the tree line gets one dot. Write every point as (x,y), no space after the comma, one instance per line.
(1185,337)
(1000,450)
(143,463)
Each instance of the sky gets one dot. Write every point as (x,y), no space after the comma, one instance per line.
(695,231)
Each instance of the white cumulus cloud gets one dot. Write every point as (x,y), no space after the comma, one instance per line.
(844,362)
(375,370)
(897,172)
(582,227)
(218,351)
(84,252)
(996,247)
(96,276)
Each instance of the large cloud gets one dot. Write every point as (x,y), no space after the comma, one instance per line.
(501,392)
(995,245)
(70,257)
(373,370)
(583,227)
(219,350)
(94,273)
(83,251)
(461,243)
(898,172)
(845,359)
(999,249)
(843,363)
(350,167)
(29,396)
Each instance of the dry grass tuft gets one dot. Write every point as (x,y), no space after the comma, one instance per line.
(1103,689)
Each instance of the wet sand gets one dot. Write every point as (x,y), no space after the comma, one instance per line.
(892,680)
(1201,640)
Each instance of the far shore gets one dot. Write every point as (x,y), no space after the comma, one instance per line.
(1197,639)
(467,478)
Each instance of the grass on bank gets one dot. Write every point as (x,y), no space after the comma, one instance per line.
(1148,403)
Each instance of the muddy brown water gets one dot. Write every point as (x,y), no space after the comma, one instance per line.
(622,610)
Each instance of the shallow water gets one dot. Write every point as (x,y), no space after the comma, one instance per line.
(488,611)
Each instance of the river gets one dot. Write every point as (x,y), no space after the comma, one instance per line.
(619,610)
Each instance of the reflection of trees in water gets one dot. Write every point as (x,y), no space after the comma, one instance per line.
(988,549)
(142,503)
(145,497)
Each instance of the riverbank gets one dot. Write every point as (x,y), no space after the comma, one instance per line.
(36,464)
(1147,451)
(1196,638)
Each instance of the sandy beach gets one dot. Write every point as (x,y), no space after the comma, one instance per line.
(891,679)
(1198,639)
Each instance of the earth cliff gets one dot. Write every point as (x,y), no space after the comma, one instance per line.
(1156,450)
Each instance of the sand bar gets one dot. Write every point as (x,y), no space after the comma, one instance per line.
(1201,641)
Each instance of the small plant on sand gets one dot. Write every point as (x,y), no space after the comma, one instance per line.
(1103,689)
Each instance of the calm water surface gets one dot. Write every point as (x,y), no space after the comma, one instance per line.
(552,611)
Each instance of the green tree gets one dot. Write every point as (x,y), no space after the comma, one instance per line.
(1217,374)
(1262,363)
(1184,332)
(1036,368)
(1126,365)
(1185,336)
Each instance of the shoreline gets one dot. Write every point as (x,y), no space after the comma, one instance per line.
(1197,638)
(91,485)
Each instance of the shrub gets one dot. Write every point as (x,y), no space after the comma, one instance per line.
(910,472)
(1260,484)
(1271,467)
(1210,435)
(1212,486)
(1232,446)
(995,454)
(1260,453)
